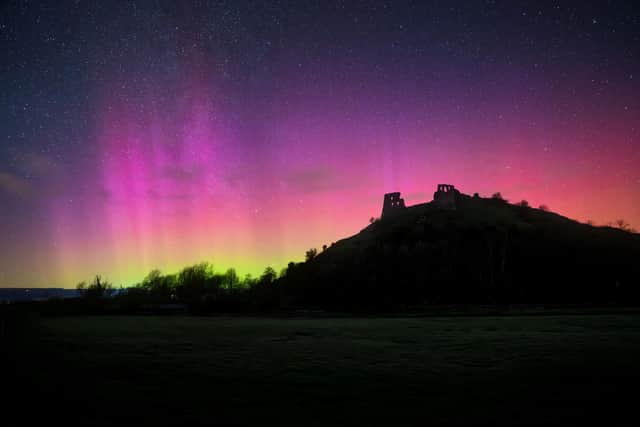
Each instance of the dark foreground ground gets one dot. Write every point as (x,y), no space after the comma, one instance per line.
(553,370)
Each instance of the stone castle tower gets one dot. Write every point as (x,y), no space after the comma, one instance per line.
(392,205)
(446,196)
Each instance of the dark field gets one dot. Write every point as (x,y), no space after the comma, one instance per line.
(560,370)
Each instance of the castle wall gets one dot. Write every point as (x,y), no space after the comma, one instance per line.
(445,197)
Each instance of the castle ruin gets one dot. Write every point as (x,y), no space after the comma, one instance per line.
(445,197)
(392,205)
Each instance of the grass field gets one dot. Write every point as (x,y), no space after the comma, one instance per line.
(560,370)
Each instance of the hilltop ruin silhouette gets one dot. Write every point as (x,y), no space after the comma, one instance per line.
(392,205)
(445,197)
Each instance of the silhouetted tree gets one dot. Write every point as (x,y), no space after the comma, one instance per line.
(81,287)
(523,204)
(290,267)
(544,208)
(498,196)
(98,288)
(622,225)
(152,278)
(192,281)
(268,276)
(230,279)
(263,292)
(247,281)
(310,254)
(159,288)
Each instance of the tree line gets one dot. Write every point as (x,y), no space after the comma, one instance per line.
(199,287)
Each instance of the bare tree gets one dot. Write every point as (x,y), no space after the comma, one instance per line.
(82,288)
(310,254)
(622,225)
(98,288)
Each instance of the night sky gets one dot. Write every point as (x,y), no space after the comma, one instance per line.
(143,134)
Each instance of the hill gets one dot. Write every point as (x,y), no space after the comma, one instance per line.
(473,250)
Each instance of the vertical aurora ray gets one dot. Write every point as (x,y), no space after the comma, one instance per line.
(177,182)
(246,135)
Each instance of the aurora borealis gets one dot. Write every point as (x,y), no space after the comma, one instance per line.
(156,134)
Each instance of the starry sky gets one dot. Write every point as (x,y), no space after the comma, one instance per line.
(144,134)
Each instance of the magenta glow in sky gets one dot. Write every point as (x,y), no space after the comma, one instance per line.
(157,138)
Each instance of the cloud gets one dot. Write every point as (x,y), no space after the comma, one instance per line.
(14,185)
(177,173)
(38,164)
(157,195)
(33,163)
(314,180)
(41,170)
(104,194)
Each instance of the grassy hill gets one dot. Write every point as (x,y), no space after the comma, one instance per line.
(484,251)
